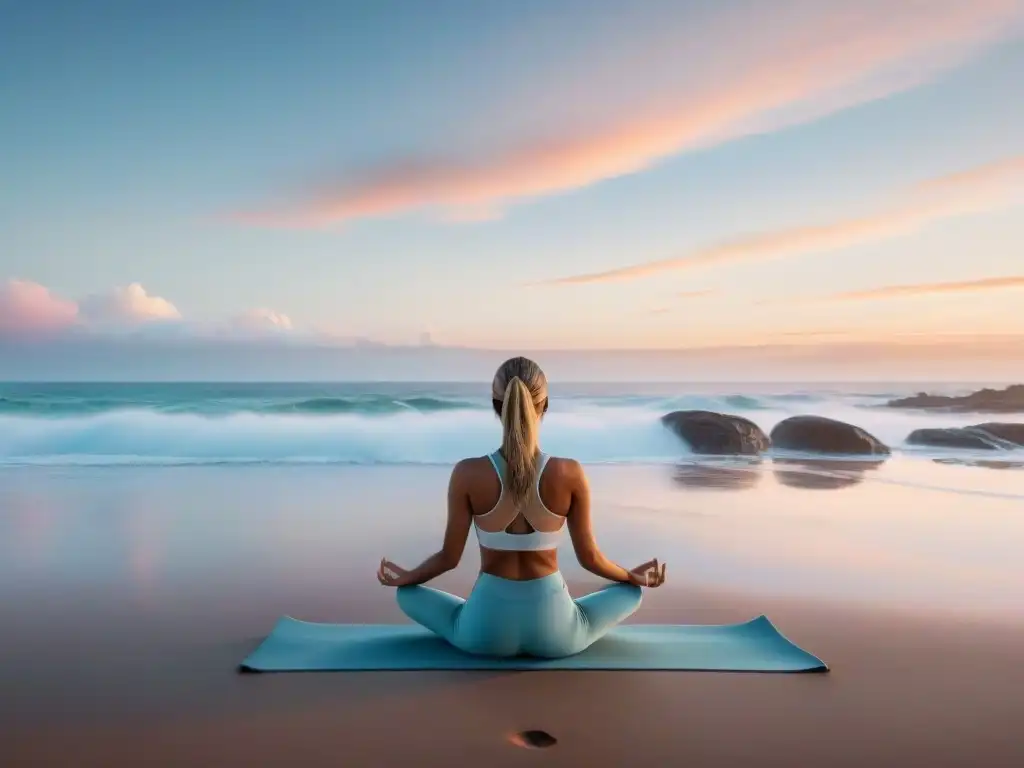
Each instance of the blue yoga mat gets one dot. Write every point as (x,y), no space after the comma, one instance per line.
(754,646)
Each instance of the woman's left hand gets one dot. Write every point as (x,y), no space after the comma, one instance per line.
(391,575)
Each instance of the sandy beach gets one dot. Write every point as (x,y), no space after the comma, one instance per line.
(129,595)
(269,271)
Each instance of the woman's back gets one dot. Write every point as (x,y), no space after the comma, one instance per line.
(483,488)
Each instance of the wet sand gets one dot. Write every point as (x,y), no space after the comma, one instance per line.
(127,601)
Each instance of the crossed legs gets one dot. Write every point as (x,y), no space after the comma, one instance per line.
(545,628)
(436,610)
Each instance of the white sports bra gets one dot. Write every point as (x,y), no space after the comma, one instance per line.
(491,527)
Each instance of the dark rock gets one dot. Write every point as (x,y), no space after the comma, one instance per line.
(957,437)
(1011,433)
(1009,400)
(818,434)
(534,739)
(710,433)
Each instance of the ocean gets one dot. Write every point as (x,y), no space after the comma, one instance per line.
(163,493)
(407,423)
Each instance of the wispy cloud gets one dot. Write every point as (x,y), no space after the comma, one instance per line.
(829,58)
(813,334)
(930,289)
(698,294)
(971,191)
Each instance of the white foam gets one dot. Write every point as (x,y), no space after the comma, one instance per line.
(589,431)
(432,438)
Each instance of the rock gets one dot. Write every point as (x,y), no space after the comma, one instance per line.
(818,434)
(976,438)
(1009,400)
(710,433)
(1011,433)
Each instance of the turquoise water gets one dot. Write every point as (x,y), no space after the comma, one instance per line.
(399,423)
(372,398)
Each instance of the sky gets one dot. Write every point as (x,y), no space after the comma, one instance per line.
(745,187)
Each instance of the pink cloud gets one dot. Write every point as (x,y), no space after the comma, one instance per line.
(127,305)
(30,308)
(932,289)
(262,319)
(834,58)
(971,191)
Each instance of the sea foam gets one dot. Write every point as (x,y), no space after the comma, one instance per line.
(623,429)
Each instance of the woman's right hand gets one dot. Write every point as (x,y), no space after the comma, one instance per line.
(391,575)
(650,574)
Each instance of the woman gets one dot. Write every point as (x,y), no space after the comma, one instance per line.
(519,500)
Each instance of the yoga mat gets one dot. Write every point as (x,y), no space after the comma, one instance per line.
(754,646)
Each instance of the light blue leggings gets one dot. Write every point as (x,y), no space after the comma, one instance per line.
(502,617)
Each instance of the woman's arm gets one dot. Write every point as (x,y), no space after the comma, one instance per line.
(460,518)
(582,533)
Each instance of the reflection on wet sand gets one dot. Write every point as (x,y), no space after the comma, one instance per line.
(821,474)
(727,474)
(743,473)
(985,463)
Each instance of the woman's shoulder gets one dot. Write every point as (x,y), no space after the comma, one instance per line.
(473,465)
(563,466)
(473,474)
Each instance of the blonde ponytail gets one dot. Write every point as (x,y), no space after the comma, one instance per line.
(520,395)
(519,440)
